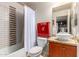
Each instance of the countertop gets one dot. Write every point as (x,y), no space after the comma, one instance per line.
(69,42)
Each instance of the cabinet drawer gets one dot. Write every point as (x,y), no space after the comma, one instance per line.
(54,44)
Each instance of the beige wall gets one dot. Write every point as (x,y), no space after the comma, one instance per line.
(77,27)
(44,11)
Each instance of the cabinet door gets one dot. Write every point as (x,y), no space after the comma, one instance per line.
(54,49)
(57,50)
(50,49)
(69,51)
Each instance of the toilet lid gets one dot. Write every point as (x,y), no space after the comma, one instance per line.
(35,50)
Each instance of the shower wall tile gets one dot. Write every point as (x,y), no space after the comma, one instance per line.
(4,27)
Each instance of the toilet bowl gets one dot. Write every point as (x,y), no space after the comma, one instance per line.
(37,50)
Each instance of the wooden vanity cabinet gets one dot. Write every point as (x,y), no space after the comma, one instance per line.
(61,50)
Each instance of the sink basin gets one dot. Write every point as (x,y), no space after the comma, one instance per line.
(63,36)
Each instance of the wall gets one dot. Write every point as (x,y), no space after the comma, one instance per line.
(77,27)
(44,11)
(19,27)
(4,26)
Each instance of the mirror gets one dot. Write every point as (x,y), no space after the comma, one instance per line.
(61,23)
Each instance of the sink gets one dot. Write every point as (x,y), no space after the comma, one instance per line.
(59,39)
(63,36)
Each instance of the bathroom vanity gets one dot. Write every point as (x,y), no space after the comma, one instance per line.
(62,48)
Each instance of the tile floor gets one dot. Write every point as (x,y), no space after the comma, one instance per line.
(22,52)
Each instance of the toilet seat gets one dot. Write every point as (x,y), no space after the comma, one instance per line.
(35,50)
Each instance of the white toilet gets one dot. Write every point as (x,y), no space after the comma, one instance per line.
(37,50)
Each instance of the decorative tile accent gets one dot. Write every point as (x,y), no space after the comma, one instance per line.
(12,20)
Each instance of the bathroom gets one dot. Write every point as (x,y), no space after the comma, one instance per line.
(39,29)
(56,27)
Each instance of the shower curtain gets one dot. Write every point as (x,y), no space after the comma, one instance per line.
(29,29)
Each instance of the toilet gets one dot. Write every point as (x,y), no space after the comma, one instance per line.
(37,50)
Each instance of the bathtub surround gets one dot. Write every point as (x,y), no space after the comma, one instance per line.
(4,26)
(5,42)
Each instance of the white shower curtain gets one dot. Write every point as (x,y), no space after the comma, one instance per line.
(30,32)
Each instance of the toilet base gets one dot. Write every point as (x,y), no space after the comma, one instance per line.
(36,55)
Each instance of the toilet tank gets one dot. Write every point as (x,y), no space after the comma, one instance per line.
(41,41)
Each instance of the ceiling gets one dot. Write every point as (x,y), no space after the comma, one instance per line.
(37,5)
(42,9)
(40,5)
